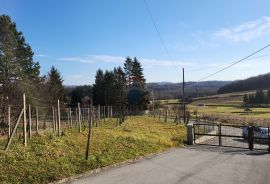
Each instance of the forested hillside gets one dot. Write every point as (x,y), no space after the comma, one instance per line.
(252,83)
(166,90)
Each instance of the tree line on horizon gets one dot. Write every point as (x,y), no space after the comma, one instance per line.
(260,97)
(252,83)
(121,87)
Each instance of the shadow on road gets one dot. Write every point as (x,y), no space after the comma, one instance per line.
(227,150)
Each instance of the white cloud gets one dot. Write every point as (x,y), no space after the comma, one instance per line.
(77,59)
(146,62)
(76,76)
(246,31)
(41,55)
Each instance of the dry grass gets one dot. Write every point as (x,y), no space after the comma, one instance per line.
(48,158)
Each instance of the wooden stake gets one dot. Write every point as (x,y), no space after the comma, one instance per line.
(14,130)
(79,117)
(9,122)
(68,119)
(98,112)
(70,114)
(37,120)
(30,122)
(59,118)
(89,133)
(24,121)
(53,119)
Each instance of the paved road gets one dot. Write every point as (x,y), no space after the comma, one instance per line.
(198,164)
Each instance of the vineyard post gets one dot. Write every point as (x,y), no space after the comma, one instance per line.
(90,119)
(53,119)
(59,119)
(79,117)
(98,112)
(9,122)
(24,121)
(30,122)
(14,130)
(70,115)
(37,120)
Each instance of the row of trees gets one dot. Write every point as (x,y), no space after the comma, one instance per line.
(19,73)
(259,98)
(121,87)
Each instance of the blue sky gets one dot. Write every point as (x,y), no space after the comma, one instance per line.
(78,37)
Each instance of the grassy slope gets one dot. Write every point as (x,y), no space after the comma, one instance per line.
(239,111)
(48,158)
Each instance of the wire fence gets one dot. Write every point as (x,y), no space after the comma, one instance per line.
(25,119)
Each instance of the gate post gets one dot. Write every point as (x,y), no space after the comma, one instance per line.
(190,134)
(219,135)
(268,140)
(250,138)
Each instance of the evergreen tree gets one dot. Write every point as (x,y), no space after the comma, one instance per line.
(99,88)
(137,74)
(55,86)
(18,72)
(109,82)
(245,99)
(268,96)
(259,97)
(82,95)
(120,86)
(128,65)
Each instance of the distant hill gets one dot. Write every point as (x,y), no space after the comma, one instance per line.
(167,90)
(252,83)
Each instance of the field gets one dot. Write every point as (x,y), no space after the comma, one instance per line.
(227,108)
(49,158)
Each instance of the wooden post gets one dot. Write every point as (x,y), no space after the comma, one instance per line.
(111,111)
(68,118)
(14,130)
(166,114)
(30,122)
(108,111)
(9,123)
(79,117)
(89,133)
(76,117)
(59,118)
(98,112)
(44,121)
(37,120)
(70,114)
(104,113)
(24,121)
(53,119)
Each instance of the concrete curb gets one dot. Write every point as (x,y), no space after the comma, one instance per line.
(116,165)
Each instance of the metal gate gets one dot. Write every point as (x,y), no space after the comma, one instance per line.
(249,137)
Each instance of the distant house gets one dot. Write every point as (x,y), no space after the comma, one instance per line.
(201,104)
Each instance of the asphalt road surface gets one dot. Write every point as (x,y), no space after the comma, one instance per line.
(198,164)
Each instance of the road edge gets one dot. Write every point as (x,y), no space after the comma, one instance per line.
(113,166)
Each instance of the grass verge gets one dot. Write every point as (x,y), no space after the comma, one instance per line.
(49,158)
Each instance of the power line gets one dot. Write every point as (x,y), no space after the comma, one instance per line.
(209,67)
(241,60)
(159,36)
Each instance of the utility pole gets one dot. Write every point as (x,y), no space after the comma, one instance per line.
(184,100)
